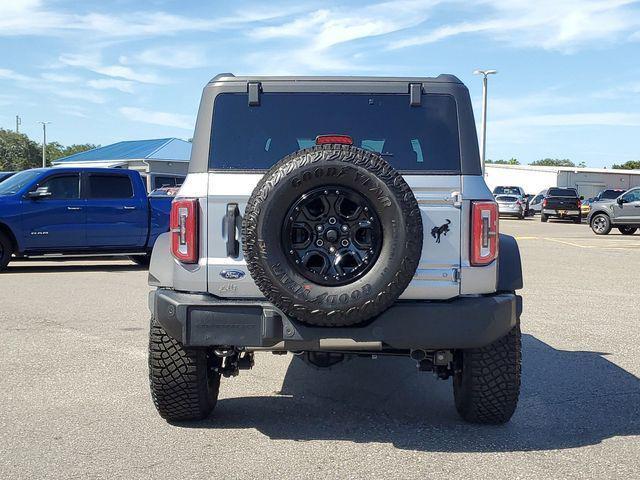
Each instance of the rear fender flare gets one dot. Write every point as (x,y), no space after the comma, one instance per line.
(509,265)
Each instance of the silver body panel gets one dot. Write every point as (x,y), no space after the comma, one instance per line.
(444,270)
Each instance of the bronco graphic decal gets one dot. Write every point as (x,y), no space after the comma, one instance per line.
(437,232)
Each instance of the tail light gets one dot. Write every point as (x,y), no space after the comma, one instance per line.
(484,233)
(544,203)
(519,202)
(184,230)
(579,203)
(341,139)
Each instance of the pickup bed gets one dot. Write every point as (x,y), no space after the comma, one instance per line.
(48,212)
(561,203)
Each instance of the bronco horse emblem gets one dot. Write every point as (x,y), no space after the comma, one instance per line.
(437,232)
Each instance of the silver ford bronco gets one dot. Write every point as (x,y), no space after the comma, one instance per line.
(335,216)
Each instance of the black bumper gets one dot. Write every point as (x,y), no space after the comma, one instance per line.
(205,320)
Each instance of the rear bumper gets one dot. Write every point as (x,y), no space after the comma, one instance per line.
(205,320)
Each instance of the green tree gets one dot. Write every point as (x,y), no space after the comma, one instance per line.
(630,165)
(511,161)
(18,152)
(553,162)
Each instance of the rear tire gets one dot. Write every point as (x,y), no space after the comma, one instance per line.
(543,217)
(183,383)
(627,230)
(487,386)
(6,250)
(601,224)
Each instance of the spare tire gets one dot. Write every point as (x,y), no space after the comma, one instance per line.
(332,235)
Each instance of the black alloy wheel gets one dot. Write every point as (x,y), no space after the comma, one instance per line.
(333,235)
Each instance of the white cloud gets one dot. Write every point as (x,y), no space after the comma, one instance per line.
(166,119)
(314,36)
(549,24)
(93,63)
(185,56)
(60,78)
(7,74)
(33,17)
(112,83)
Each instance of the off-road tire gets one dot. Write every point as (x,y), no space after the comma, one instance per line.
(486,384)
(544,217)
(342,166)
(183,383)
(607,227)
(627,230)
(6,249)
(142,260)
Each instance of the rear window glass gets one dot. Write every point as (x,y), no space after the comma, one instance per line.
(506,190)
(611,194)
(110,186)
(505,198)
(562,192)
(419,138)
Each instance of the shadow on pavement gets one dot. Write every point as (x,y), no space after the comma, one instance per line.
(568,399)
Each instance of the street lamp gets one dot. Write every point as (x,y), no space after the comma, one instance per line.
(44,143)
(484,74)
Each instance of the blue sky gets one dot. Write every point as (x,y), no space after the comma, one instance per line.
(568,83)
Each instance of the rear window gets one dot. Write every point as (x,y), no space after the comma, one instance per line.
(110,186)
(506,190)
(506,198)
(611,194)
(562,192)
(419,138)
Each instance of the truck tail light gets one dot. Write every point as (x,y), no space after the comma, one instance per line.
(484,233)
(184,230)
(544,203)
(579,204)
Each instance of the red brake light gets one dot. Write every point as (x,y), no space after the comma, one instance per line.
(484,233)
(544,203)
(341,139)
(184,230)
(579,203)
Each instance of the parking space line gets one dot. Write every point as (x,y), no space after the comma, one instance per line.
(600,246)
(526,238)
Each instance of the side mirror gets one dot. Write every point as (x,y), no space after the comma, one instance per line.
(40,192)
(620,201)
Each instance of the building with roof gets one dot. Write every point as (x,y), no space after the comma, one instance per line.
(587,181)
(161,161)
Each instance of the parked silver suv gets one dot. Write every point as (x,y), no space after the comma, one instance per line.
(331,217)
(622,212)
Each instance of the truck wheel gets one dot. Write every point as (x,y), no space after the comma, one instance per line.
(6,249)
(601,224)
(349,235)
(183,383)
(142,260)
(627,230)
(486,384)
(543,217)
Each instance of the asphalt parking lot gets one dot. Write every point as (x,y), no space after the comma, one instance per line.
(75,400)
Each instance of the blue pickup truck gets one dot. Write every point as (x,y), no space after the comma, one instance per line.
(58,212)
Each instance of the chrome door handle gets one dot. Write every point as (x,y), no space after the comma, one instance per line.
(128,208)
(74,208)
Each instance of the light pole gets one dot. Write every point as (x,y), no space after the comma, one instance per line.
(44,143)
(483,148)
